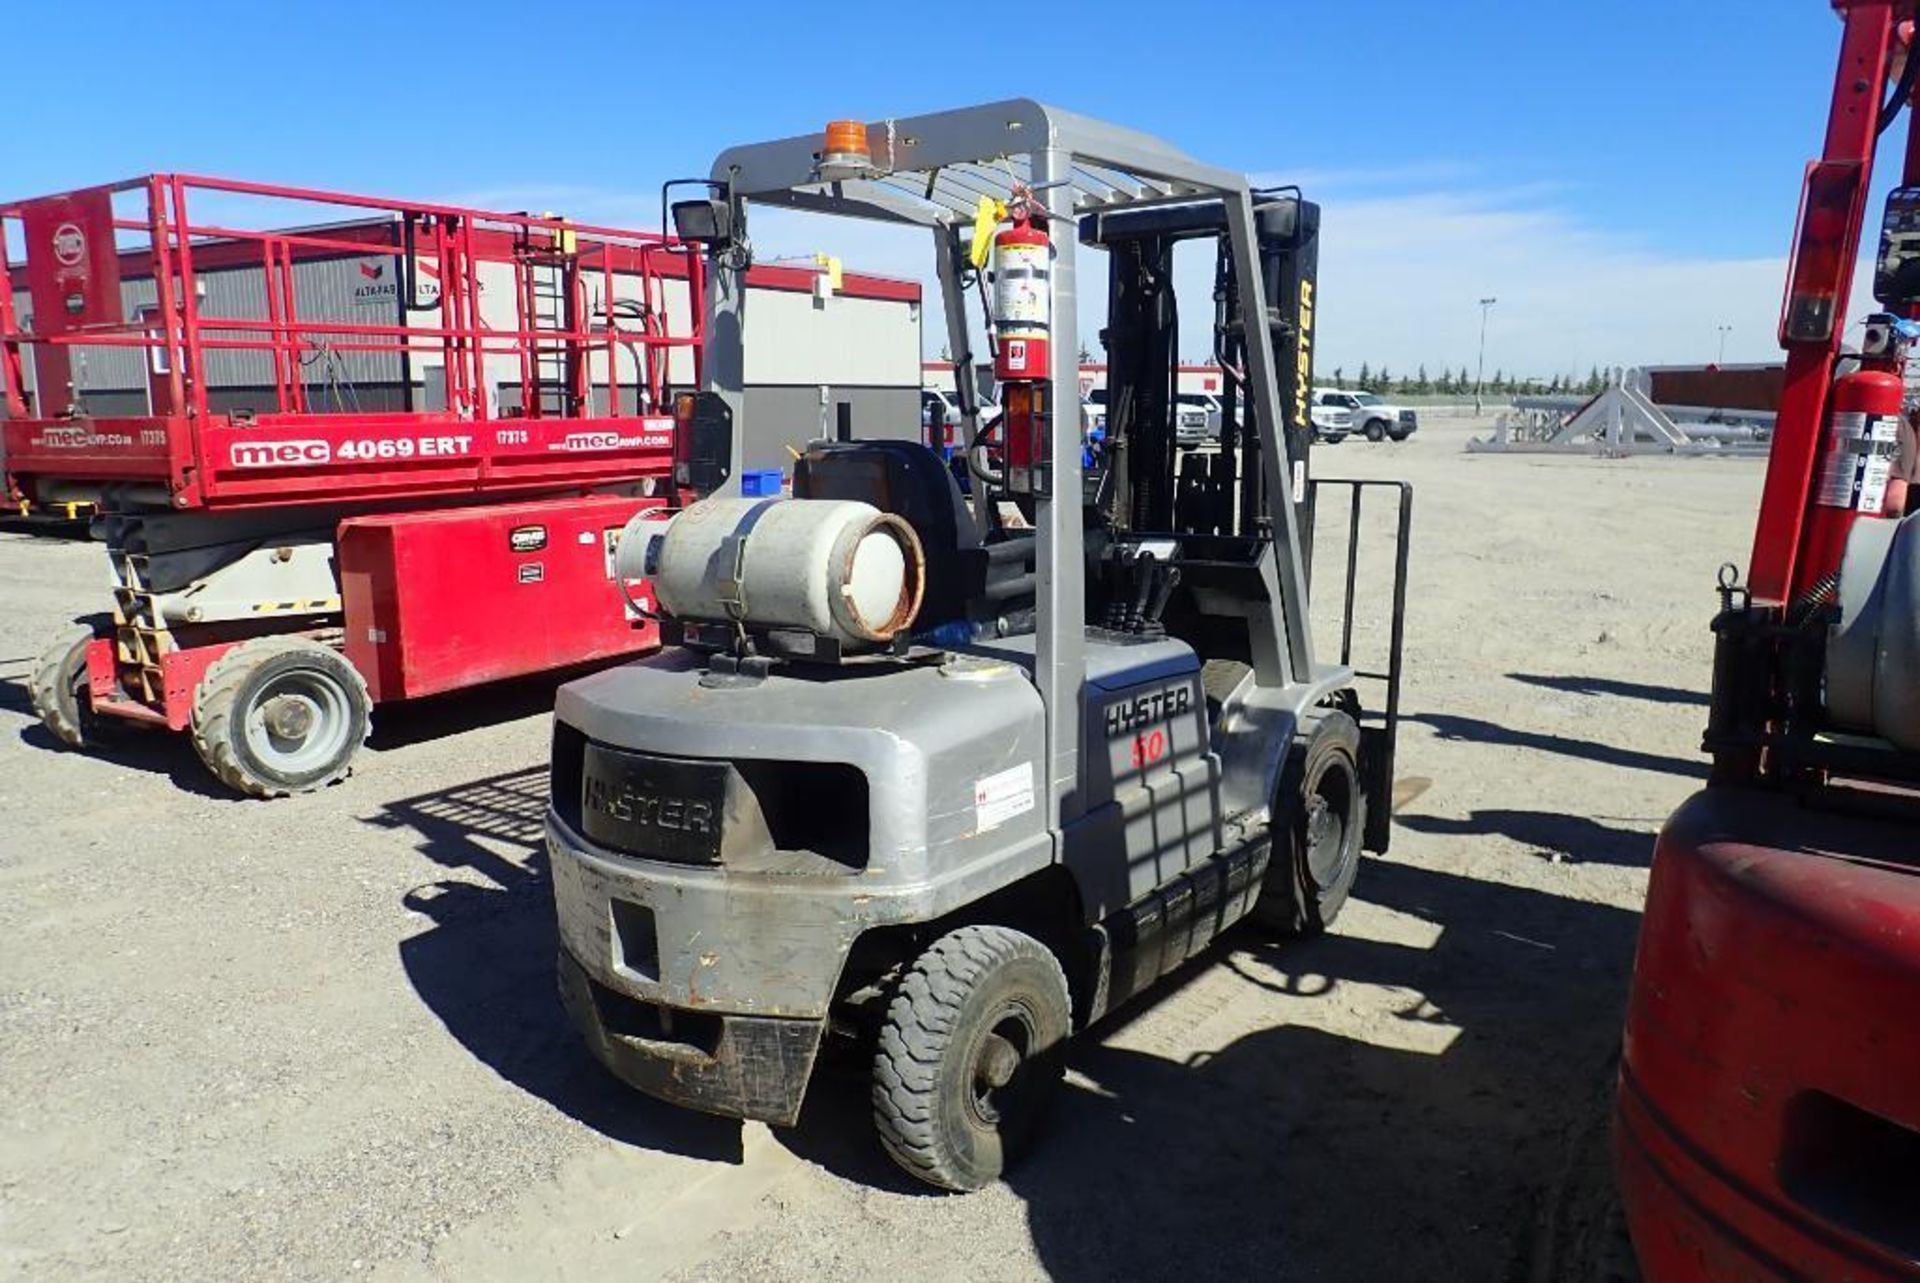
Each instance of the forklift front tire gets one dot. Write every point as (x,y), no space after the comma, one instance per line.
(280,715)
(1316,857)
(970,1055)
(61,698)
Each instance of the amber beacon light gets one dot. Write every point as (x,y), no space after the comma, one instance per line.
(845,153)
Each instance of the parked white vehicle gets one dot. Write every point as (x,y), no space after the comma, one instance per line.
(1199,420)
(949,404)
(1371,416)
(1331,423)
(1196,417)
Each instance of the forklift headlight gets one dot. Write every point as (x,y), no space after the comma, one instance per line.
(705,222)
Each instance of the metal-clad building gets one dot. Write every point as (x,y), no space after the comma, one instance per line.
(808,346)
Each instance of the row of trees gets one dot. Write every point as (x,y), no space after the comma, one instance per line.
(1499,383)
(1420,383)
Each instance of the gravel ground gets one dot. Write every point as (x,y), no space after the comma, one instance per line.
(317,1037)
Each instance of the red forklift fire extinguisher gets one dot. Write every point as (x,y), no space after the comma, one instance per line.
(1856,461)
(1022,301)
(1022,325)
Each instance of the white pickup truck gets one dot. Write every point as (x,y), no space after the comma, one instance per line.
(1368,415)
(1331,423)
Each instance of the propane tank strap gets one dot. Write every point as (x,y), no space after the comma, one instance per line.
(732,596)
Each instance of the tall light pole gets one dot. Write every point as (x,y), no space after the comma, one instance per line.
(1722,358)
(1480,377)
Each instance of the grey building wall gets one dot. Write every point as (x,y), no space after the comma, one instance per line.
(113,379)
(780,418)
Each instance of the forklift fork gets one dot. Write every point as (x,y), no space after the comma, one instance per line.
(1379,731)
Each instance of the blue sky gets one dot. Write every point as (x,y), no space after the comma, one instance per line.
(1622,175)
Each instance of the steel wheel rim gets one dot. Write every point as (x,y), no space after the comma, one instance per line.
(299,721)
(993,1071)
(1329,807)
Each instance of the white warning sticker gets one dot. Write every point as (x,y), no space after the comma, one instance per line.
(999,797)
(1858,465)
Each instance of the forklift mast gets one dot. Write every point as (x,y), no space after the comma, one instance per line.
(1151,488)
(1833,212)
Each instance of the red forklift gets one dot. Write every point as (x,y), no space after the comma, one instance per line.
(1768,1112)
(373,458)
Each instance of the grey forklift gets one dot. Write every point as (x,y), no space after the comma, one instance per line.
(950,771)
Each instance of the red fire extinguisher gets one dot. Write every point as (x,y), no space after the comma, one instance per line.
(1022,363)
(1022,301)
(1856,461)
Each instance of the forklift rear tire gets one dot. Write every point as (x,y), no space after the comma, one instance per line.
(1315,860)
(61,697)
(970,1055)
(280,715)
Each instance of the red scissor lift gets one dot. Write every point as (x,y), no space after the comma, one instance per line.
(374,458)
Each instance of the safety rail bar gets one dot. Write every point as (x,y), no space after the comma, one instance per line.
(454,239)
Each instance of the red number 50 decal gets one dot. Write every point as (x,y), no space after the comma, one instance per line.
(1149,748)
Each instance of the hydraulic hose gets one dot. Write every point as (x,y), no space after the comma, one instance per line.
(1902,92)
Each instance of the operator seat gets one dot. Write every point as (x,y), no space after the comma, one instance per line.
(909,480)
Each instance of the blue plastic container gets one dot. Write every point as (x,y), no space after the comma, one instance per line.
(760,483)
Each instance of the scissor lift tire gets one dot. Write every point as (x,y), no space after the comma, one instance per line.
(59,689)
(280,715)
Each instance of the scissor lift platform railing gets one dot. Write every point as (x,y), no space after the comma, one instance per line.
(228,462)
(604,311)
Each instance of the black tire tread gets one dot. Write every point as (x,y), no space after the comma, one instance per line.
(920,1019)
(214,701)
(1281,906)
(52,698)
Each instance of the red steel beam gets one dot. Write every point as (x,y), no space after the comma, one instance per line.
(1852,130)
